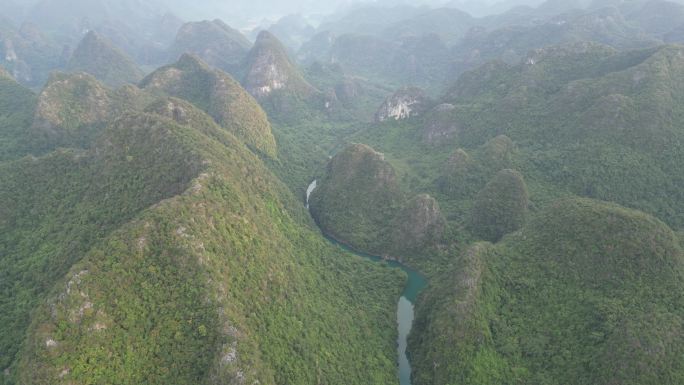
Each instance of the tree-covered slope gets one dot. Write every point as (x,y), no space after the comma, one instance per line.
(359,202)
(581,119)
(16,114)
(73,109)
(215,42)
(217,94)
(269,70)
(605,25)
(357,197)
(168,253)
(99,57)
(587,293)
(27,53)
(590,120)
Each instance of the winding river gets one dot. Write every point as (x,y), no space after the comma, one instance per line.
(405,309)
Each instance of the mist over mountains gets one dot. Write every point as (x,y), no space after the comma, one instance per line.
(307,192)
(245,13)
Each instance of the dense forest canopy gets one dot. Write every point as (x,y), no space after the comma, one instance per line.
(461,192)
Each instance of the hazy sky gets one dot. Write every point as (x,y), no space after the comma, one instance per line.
(243,13)
(255,10)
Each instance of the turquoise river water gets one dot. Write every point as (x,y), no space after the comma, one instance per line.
(405,309)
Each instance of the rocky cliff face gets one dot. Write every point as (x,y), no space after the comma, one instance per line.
(8,50)
(405,103)
(219,95)
(27,54)
(268,69)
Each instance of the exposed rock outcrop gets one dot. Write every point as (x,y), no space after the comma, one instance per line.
(269,69)
(9,52)
(405,103)
(28,54)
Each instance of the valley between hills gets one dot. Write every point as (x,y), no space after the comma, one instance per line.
(390,194)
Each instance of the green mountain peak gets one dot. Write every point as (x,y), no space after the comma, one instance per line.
(215,42)
(269,69)
(217,94)
(100,58)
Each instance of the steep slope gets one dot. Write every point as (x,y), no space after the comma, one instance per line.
(572,108)
(180,247)
(16,114)
(605,25)
(363,55)
(359,202)
(99,57)
(588,292)
(657,17)
(403,104)
(293,30)
(73,109)
(422,59)
(27,53)
(417,226)
(219,95)
(370,19)
(269,70)
(214,42)
(501,206)
(141,28)
(357,198)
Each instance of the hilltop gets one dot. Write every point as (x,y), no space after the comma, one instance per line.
(214,42)
(268,70)
(169,235)
(99,57)
(357,197)
(219,95)
(565,118)
(27,53)
(579,101)
(359,202)
(587,292)
(72,110)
